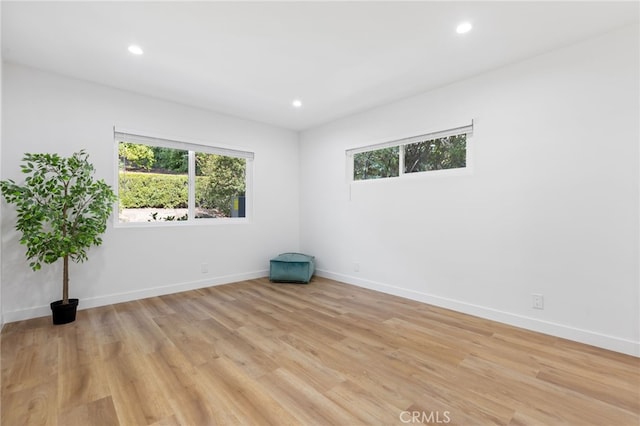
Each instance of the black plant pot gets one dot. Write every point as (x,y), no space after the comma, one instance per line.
(64,314)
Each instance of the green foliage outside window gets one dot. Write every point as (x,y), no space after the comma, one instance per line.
(220,179)
(380,163)
(448,152)
(135,156)
(145,190)
(157,177)
(171,160)
(436,154)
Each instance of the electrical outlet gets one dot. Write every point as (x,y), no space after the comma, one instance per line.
(204,268)
(538,301)
(356,267)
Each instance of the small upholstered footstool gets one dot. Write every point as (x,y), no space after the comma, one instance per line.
(292,268)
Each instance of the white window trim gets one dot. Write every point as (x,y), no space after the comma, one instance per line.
(147,138)
(467,129)
(182,143)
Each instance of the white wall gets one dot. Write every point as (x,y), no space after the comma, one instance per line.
(550,205)
(48,113)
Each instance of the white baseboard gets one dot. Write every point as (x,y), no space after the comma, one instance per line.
(554,329)
(613,343)
(93,302)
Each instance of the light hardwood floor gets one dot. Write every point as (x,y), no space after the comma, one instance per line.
(326,353)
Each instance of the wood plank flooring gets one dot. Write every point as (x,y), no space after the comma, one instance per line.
(327,353)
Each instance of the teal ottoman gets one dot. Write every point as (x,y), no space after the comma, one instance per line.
(292,268)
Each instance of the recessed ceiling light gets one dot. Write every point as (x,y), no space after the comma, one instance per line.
(297,103)
(135,49)
(463,27)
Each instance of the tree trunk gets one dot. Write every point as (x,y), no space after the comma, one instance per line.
(65,281)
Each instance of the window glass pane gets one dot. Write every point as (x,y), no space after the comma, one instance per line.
(436,154)
(152,183)
(376,164)
(220,186)
(162,180)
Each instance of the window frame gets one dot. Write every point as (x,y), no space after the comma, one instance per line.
(401,143)
(193,147)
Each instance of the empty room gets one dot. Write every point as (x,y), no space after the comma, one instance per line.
(320,213)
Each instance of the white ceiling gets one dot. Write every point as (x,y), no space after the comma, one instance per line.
(252,59)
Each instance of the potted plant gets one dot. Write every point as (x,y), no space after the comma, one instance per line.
(61,211)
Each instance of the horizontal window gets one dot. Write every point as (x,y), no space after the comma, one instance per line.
(434,151)
(161,180)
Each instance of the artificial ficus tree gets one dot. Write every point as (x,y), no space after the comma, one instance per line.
(61,209)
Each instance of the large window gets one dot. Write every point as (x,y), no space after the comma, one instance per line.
(162,180)
(430,152)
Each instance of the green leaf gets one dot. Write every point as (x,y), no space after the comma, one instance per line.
(61,209)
